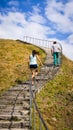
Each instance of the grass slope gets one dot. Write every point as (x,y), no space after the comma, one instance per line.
(14,62)
(57,97)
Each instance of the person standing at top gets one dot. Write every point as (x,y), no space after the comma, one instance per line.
(56,50)
(33,64)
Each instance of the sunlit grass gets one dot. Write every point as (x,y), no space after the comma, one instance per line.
(14,57)
(57,97)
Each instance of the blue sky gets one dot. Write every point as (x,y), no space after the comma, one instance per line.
(45,19)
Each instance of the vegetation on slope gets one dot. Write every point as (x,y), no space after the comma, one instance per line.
(57,97)
(14,57)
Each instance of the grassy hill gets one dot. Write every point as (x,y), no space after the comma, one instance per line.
(14,57)
(57,97)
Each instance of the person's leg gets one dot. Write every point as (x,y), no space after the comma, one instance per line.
(36,72)
(55,58)
(33,75)
(59,58)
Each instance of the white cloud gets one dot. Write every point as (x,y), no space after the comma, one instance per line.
(60,14)
(37,18)
(36,30)
(12,25)
(70,39)
(69,9)
(36,9)
(67,50)
(16,25)
(13,3)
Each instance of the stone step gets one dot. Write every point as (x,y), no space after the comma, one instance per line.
(11,94)
(23,86)
(17,97)
(17,91)
(14,96)
(12,124)
(15,129)
(6,112)
(14,93)
(12,102)
(42,78)
(6,102)
(11,97)
(23,115)
(18,88)
(16,108)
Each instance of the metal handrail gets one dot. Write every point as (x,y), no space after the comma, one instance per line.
(40,43)
(33,101)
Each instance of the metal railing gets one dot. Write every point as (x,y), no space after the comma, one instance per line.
(40,42)
(37,121)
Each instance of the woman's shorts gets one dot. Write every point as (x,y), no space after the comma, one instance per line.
(33,66)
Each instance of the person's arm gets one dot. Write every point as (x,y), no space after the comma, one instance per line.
(59,47)
(28,60)
(39,60)
(52,50)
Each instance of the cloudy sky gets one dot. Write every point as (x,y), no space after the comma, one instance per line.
(45,19)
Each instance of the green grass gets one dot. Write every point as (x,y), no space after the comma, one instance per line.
(57,97)
(14,56)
